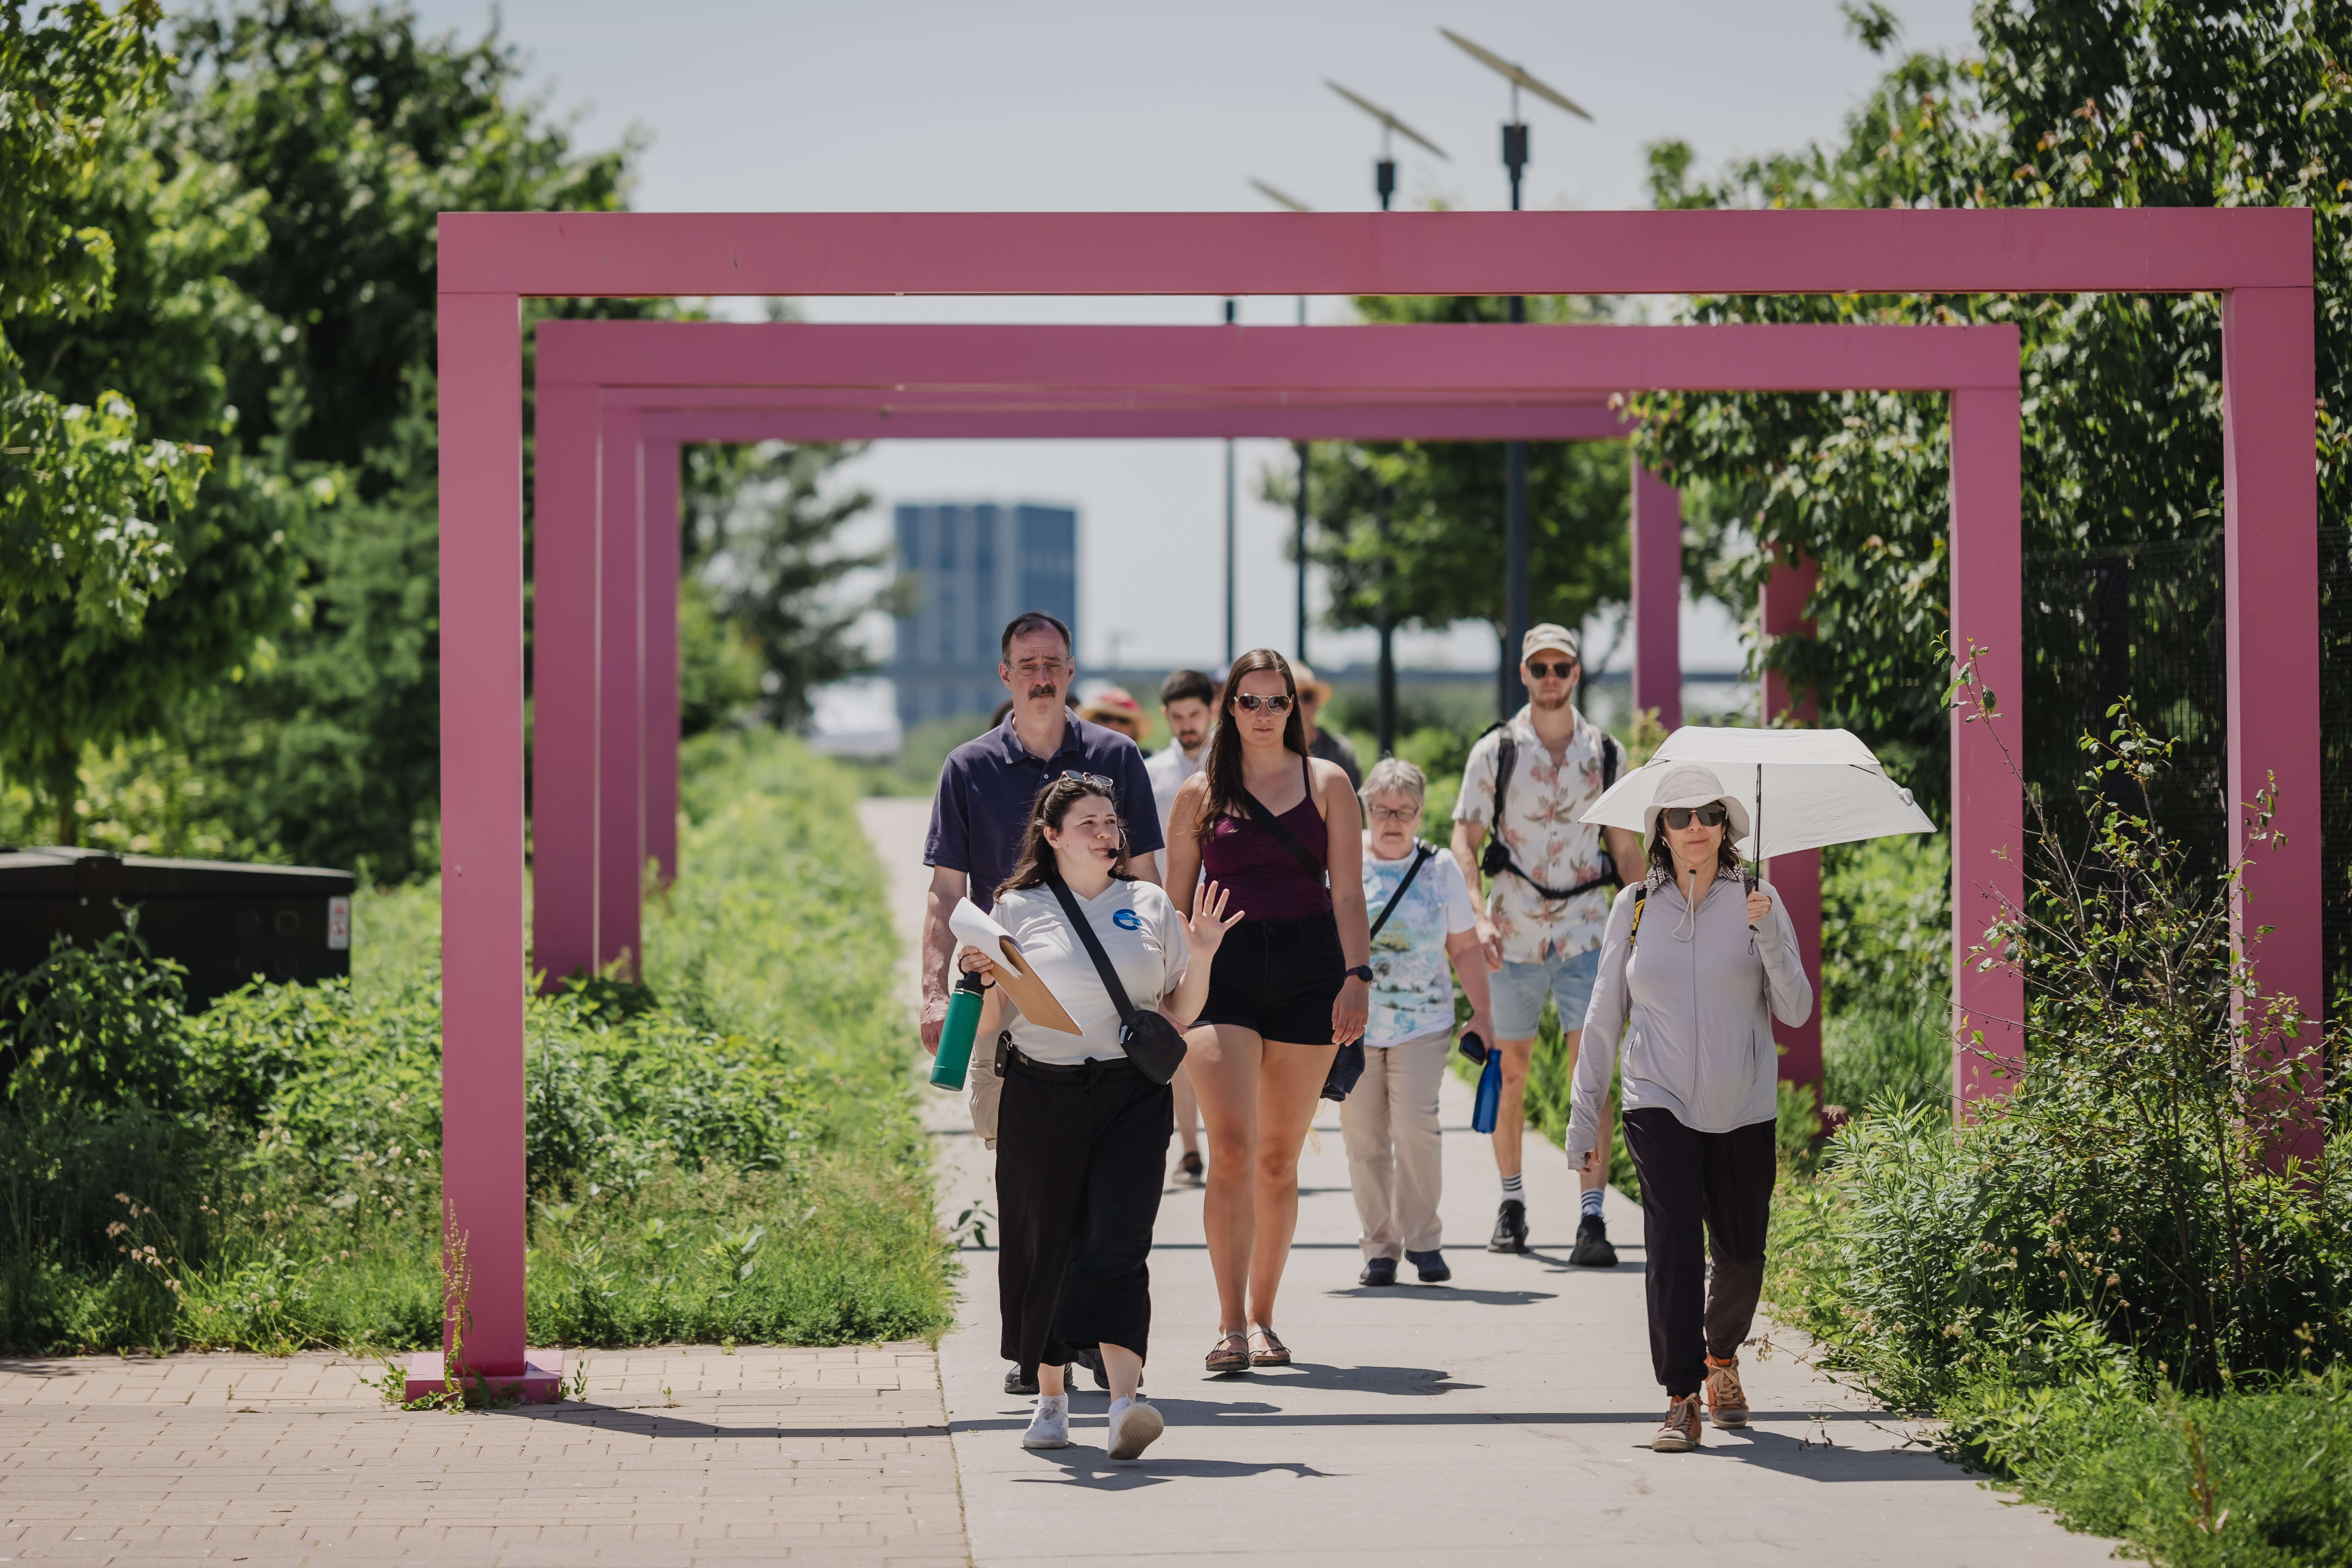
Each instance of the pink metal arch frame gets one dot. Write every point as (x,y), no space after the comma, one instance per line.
(2259,260)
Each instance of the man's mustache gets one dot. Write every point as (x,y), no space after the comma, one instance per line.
(1048,690)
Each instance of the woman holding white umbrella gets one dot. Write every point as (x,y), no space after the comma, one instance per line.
(1695,967)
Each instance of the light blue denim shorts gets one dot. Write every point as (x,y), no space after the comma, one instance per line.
(1518,992)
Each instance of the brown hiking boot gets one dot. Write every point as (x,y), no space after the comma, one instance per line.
(1680,1433)
(1726,1403)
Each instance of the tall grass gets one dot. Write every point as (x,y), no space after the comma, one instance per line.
(728,1151)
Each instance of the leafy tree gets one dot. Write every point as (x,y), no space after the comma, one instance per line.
(95,531)
(1411,533)
(759,535)
(2066,103)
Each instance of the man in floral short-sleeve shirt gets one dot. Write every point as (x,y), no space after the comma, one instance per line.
(1536,941)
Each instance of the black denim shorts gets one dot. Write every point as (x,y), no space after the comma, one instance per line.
(1279,978)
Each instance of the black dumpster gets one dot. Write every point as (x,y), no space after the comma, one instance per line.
(225,922)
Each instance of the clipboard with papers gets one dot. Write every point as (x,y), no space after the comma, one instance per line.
(973,927)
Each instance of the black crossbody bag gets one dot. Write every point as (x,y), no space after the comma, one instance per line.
(1498,860)
(1347,1065)
(1150,1041)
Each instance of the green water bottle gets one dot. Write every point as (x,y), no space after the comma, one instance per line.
(955,1040)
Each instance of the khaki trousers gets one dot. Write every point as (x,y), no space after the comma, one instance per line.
(1389,1123)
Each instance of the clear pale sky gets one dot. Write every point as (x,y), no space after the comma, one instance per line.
(1027,105)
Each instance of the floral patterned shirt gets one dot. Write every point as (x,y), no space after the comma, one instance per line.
(1541,830)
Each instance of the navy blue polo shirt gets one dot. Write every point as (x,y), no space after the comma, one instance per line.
(990,783)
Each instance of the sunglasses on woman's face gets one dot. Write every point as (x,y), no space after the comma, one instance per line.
(1679,817)
(1279,703)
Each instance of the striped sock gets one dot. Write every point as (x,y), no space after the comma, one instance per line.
(1514,1189)
(1592,1202)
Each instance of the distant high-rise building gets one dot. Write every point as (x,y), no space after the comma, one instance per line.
(975,568)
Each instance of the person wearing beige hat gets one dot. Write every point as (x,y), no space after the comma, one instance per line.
(1695,967)
(1313,693)
(1528,781)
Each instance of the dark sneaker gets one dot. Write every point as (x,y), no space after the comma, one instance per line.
(1016,1383)
(1592,1249)
(1432,1264)
(1510,1227)
(1189,1172)
(1378,1271)
(1679,1435)
(1726,1401)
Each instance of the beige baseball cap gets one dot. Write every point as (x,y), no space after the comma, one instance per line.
(1557,638)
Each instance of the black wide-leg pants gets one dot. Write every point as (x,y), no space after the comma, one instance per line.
(1080,1157)
(1720,1183)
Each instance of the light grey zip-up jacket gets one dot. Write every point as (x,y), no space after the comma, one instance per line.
(1691,995)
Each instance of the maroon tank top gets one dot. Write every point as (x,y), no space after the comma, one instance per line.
(1265,879)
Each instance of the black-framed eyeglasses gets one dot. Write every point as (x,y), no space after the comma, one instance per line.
(1249,703)
(1559,671)
(1679,817)
(1095,779)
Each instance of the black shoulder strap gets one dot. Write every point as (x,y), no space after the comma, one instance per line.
(1283,835)
(1608,762)
(1094,947)
(1633,932)
(1507,759)
(1422,852)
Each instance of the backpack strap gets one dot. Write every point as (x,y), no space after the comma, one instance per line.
(1633,932)
(1422,852)
(1499,861)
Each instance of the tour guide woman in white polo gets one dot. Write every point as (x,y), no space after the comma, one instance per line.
(1693,973)
(1082,1135)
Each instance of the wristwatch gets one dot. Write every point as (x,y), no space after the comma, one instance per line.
(1362,972)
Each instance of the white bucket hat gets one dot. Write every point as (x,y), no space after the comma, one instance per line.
(1689,783)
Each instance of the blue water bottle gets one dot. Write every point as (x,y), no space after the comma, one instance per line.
(955,1038)
(1489,1103)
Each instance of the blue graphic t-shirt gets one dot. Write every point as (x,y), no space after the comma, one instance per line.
(1413,985)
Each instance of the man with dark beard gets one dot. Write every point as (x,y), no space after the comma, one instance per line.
(981,812)
(1527,783)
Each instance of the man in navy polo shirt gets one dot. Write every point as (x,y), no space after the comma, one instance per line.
(986,790)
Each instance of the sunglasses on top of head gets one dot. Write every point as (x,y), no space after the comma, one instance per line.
(1679,817)
(1249,703)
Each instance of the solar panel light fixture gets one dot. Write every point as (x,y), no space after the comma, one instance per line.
(1515,132)
(1384,171)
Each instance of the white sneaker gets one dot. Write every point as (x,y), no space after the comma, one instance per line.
(1134,1426)
(1050,1427)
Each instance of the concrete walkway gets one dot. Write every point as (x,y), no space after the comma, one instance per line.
(1505,1417)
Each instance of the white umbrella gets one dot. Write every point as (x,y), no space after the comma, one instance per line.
(1807,788)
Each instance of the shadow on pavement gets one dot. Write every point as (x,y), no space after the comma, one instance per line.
(1098,1471)
(1418,1293)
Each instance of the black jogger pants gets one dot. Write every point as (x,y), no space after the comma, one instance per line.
(1080,1157)
(1718,1181)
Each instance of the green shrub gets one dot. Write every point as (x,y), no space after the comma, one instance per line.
(89,1029)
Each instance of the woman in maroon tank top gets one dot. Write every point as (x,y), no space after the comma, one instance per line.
(1288,987)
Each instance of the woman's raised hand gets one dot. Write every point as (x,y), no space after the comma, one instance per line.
(1207,927)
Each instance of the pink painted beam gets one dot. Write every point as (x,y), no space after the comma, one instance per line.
(661,693)
(1657,597)
(1421,361)
(482,979)
(1426,422)
(2064,251)
(1788,591)
(1988,752)
(567,473)
(2271,544)
(620,696)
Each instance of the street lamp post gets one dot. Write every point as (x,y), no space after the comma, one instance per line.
(1517,595)
(1230,621)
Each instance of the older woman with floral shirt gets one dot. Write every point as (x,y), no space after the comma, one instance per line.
(1550,900)
(1390,1120)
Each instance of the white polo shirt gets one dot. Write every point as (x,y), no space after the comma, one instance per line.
(1141,931)
(1167,770)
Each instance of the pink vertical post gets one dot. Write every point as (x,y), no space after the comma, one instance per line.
(661,481)
(482,977)
(563,682)
(2272,554)
(1657,597)
(1796,877)
(620,840)
(1987,793)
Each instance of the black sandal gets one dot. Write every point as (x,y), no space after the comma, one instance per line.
(1236,1358)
